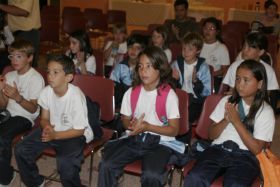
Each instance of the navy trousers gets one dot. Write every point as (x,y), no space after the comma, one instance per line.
(9,130)
(119,153)
(69,156)
(239,168)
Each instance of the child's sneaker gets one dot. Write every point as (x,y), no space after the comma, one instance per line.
(13,179)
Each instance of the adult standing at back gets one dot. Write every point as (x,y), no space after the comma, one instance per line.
(24,21)
(182,24)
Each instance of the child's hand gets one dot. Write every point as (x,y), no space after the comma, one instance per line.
(194,76)
(232,113)
(115,44)
(2,82)
(137,126)
(12,92)
(175,30)
(81,57)
(175,74)
(48,133)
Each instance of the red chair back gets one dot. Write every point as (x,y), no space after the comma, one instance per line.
(49,30)
(116,16)
(241,26)
(183,98)
(273,47)
(96,21)
(98,89)
(233,46)
(72,23)
(176,49)
(50,12)
(99,58)
(70,11)
(92,12)
(204,121)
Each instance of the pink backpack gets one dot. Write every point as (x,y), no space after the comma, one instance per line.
(160,101)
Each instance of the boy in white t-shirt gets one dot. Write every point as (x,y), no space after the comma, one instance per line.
(64,127)
(19,93)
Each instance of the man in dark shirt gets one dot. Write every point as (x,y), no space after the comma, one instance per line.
(182,24)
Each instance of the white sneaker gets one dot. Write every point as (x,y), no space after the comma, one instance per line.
(13,179)
(43,183)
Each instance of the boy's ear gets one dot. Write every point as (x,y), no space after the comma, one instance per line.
(30,59)
(69,77)
(260,84)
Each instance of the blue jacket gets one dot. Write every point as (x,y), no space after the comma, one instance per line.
(202,87)
(122,73)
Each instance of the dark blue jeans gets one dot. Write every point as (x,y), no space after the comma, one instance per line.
(9,130)
(239,168)
(121,152)
(69,156)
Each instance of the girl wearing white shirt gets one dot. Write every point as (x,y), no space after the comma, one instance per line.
(243,123)
(159,39)
(146,129)
(80,52)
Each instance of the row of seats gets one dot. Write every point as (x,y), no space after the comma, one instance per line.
(102,91)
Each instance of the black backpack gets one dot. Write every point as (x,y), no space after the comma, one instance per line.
(94,114)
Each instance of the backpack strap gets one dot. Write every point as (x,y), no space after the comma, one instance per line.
(180,62)
(135,92)
(160,101)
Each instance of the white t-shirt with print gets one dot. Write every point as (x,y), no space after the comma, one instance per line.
(215,54)
(67,112)
(272,83)
(146,104)
(263,127)
(29,86)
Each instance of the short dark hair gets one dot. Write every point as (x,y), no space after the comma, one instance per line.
(218,25)
(181,2)
(267,4)
(139,39)
(257,40)
(65,61)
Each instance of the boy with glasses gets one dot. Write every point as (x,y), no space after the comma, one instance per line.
(19,93)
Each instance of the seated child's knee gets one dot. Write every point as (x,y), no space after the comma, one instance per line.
(153,177)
